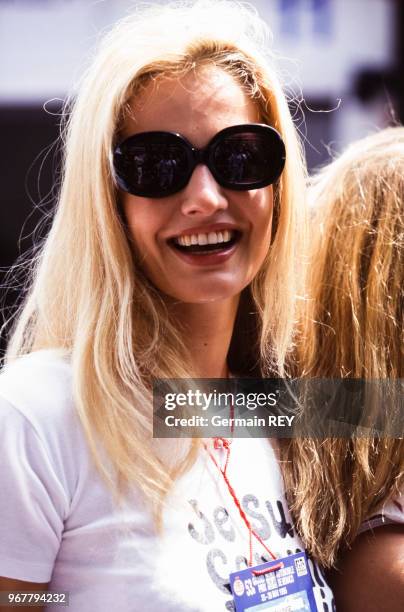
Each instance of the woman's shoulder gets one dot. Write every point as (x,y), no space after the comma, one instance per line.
(371,572)
(38,417)
(41,372)
(38,386)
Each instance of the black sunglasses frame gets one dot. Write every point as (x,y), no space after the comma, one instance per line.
(199,156)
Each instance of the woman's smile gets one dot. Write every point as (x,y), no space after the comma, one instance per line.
(205,242)
(206,245)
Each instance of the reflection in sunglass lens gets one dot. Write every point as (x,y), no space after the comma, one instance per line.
(241,158)
(156,165)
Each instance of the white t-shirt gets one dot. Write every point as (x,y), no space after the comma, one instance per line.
(391,513)
(58,523)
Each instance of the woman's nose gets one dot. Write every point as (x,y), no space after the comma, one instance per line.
(202,195)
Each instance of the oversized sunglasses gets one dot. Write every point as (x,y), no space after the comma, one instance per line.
(240,157)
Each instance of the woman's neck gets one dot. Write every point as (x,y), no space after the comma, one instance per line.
(208,329)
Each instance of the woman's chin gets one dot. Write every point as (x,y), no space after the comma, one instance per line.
(205,295)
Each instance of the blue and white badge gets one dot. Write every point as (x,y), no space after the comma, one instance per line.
(283,585)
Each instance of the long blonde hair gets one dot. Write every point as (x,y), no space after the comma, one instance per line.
(353,328)
(88,295)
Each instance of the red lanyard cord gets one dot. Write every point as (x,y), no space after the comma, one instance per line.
(226,444)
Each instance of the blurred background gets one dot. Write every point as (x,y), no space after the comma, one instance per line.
(342,58)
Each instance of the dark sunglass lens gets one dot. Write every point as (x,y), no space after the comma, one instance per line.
(244,158)
(152,168)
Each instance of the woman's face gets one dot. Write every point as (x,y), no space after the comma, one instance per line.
(198,106)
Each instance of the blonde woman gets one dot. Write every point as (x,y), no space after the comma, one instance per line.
(159,241)
(340,488)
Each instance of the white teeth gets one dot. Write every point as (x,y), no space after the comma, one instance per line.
(202,239)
